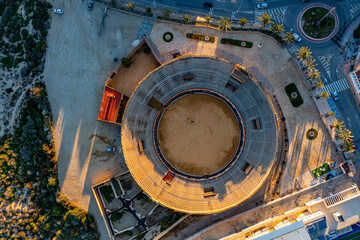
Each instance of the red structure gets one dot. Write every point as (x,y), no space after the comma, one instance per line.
(110,104)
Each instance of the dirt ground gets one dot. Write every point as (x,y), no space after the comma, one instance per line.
(127,79)
(194,141)
(275,64)
(78,62)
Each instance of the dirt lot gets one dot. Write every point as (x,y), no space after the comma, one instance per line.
(78,62)
(127,79)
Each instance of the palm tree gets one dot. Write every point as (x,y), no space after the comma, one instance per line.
(166,12)
(289,37)
(243,22)
(345,135)
(310,63)
(303,53)
(208,19)
(277,28)
(324,95)
(332,114)
(348,147)
(130,6)
(337,124)
(319,84)
(314,74)
(225,24)
(265,19)
(187,18)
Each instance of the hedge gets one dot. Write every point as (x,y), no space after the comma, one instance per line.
(356,33)
(236,42)
(201,37)
(291,88)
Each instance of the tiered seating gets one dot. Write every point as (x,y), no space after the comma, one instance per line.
(233,186)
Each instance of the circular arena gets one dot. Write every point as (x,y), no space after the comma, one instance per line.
(196,139)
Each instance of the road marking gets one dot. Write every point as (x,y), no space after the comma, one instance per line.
(277,14)
(337,86)
(211,11)
(233,15)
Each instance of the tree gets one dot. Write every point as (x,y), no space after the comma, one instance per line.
(337,124)
(242,22)
(187,18)
(324,95)
(310,64)
(319,84)
(332,114)
(303,53)
(345,135)
(289,37)
(278,28)
(130,6)
(148,10)
(166,12)
(113,3)
(224,24)
(348,147)
(265,19)
(208,19)
(314,74)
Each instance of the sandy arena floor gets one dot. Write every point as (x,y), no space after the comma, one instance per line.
(198,134)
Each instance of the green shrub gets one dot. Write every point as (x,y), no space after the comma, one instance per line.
(168,37)
(235,42)
(295,101)
(143,197)
(116,216)
(200,37)
(107,193)
(126,62)
(166,222)
(356,33)
(128,233)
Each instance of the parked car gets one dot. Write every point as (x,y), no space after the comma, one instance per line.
(58,11)
(261,5)
(91,5)
(297,37)
(208,4)
(304,1)
(335,96)
(110,149)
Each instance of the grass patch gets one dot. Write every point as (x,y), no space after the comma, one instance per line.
(166,222)
(294,95)
(107,193)
(168,37)
(319,171)
(116,216)
(311,18)
(143,198)
(235,42)
(311,134)
(201,37)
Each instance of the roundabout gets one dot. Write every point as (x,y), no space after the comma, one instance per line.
(318,22)
(183,136)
